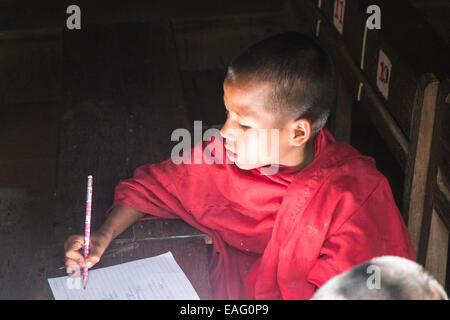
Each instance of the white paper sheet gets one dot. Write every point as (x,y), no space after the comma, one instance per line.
(155,278)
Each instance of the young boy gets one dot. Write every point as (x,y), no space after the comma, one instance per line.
(282,222)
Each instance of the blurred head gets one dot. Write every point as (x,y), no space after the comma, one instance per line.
(278,94)
(398,279)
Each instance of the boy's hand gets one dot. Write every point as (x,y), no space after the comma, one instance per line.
(75,259)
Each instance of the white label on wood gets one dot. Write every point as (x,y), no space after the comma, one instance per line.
(384,71)
(338,15)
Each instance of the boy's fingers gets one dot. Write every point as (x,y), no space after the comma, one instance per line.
(74,243)
(72,268)
(92,259)
(75,255)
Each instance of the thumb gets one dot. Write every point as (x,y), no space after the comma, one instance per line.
(92,259)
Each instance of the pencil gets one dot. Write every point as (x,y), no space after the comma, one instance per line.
(87,228)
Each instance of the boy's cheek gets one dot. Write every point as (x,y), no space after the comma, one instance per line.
(253,154)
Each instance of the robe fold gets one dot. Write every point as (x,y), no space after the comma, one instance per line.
(277,236)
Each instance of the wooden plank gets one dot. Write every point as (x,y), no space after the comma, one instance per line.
(211,43)
(437,186)
(341,115)
(32,14)
(436,260)
(369,100)
(203,92)
(93,142)
(327,8)
(123,99)
(354,29)
(443,135)
(307,21)
(39,34)
(31,71)
(26,227)
(29,141)
(401,27)
(419,158)
(151,90)
(401,93)
(442,199)
(205,47)
(163,229)
(353,24)
(367,140)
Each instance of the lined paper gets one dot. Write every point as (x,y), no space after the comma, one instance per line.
(155,278)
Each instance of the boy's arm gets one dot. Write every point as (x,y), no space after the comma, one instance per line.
(149,193)
(120,218)
(152,191)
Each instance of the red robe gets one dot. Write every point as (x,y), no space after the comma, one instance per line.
(277,236)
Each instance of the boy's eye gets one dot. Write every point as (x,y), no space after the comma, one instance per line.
(241,125)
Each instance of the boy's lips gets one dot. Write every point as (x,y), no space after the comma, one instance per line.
(229,149)
(231,154)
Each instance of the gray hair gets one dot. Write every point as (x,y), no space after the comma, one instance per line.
(399,279)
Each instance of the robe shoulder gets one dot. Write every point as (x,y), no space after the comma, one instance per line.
(349,187)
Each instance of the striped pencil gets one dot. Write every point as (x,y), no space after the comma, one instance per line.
(87,228)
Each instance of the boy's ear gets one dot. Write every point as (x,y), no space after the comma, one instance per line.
(300,132)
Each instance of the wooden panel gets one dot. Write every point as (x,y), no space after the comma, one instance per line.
(31,70)
(401,27)
(203,91)
(343,62)
(355,24)
(28,144)
(436,262)
(403,82)
(308,20)
(327,7)
(441,198)
(369,99)
(443,135)
(29,14)
(418,182)
(205,47)
(207,43)
(436,12)
(353,27)
(366,138)
(123,98)
(25,230)
(341,115)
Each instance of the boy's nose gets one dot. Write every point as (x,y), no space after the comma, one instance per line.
(226,133)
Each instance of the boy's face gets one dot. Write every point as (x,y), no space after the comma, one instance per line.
(252,134)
